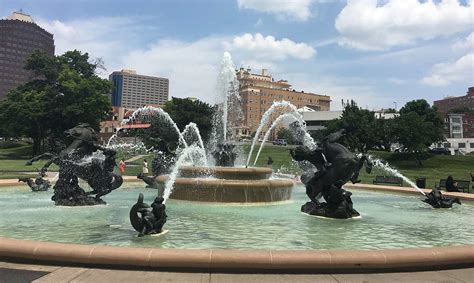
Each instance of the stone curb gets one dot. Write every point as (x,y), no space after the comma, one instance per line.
(378,260)
(407,190)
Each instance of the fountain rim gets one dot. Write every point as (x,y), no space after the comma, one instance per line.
(227,169)
(413,259)
(433,258)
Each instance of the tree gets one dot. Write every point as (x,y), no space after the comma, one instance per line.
(182,111)
(384,133)
(359,125)
(418,126)
(65,91)
(286,134)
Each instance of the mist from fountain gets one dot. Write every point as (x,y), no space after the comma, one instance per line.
(151,111)
(276,106)
(281,118)
(228,100)
(188,132)
(387,168)
(184,156)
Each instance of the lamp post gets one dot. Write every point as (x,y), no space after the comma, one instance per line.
(395,103)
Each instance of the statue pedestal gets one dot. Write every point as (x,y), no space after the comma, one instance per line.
(82,201)
(343,211)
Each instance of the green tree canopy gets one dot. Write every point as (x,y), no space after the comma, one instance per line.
(418,126)
(183,111)
(286,134)
(359,125)
(66,91)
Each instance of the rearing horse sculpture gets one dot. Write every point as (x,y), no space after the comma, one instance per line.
(336,166)
(98,173)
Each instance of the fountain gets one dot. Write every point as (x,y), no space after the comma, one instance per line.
(399,232)
(193,179)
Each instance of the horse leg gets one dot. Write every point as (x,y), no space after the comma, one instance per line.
(358,166)
(368,164)
(313,189)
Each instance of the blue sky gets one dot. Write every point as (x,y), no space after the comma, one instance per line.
(376,52)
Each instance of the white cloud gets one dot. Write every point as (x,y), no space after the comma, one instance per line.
(105,37)
(298,10)
(460,70)
(443,74)
(369,25)
(192,67)
(465,44)
(339,88)
(269,48)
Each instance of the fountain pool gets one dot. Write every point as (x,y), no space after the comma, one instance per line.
(388,221)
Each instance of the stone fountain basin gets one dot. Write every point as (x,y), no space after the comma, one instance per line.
(231,173)
(229,191)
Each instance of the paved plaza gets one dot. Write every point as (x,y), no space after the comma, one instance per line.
(16,273)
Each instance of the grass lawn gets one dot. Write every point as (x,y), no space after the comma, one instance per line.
(280,155)
(435,167)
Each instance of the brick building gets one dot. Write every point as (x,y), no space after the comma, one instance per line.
(259,91)
(449,103)
(458,113)
(19,37)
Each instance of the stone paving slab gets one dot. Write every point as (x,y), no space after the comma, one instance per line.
(18,272)
(14,276)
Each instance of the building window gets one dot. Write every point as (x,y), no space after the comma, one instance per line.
(462,145)
(472,145)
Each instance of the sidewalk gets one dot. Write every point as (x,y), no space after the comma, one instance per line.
(16,272)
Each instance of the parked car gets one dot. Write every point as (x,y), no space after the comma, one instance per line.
(440,150)
(280,142)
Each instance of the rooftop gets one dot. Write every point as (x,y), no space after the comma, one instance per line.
(20,16)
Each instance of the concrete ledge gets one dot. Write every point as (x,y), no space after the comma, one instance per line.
(406,190)
(238,260)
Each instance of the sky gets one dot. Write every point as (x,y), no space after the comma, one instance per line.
(380,54)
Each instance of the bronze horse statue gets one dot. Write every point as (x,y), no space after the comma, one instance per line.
(74,163)
(335,165)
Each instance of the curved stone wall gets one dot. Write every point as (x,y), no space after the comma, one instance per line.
(231,173)
(219,190)
(237,260)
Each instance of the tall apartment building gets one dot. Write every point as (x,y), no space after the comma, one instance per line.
(133,91)
(19,37)
(458,125)
(259,91)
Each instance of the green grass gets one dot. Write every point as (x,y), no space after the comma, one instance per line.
(435,167)
(280,155)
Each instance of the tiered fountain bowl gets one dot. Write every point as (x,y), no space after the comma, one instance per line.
(229,185)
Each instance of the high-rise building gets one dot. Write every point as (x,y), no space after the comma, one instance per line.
(259,91)
(133,91)
(19,37)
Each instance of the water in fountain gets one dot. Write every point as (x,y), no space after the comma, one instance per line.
(191,130)
(147,113)
(387,168)
(183,158)
(227,97)
(131,148)
(290,117)
(278,106)
(282,118)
